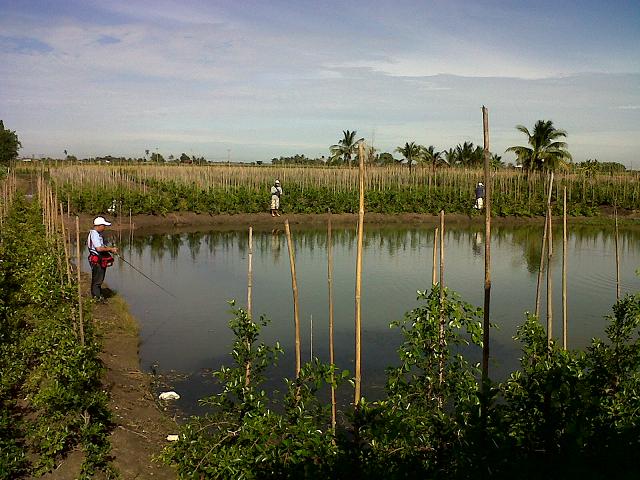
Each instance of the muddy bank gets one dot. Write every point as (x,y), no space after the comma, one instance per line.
(188,221)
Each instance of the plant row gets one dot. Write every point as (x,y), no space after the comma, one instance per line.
(50,389)
(160,190)
(571,414)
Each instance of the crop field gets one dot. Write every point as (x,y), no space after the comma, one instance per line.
(161,189)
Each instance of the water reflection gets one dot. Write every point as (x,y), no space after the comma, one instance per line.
(205,269)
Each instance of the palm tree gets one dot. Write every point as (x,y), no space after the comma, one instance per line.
(544,150)
(431,156)
(346,147)
(496,162)
(450,156)
(411,152)
(469,156)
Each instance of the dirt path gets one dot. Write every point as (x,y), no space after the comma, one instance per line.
(140,428)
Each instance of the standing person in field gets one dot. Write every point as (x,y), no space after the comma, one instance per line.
(276,192)
(479,196)
(99,256)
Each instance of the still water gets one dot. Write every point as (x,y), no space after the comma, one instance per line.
(189,335)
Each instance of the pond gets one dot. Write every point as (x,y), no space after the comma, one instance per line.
(188,335)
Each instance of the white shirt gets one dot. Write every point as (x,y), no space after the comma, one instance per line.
(94,240)
(276,190)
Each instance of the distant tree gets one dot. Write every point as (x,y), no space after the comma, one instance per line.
(346,147)
(430,155)
(544,151)
(157,157)
(184,158)
(591,167)
(9,145)
(146,154)
(468,155)
(496,162)
(411,152)
(386,158)
(450,156)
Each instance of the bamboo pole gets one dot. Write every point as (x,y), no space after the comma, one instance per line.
(250,273)
(294,288)
(442,320)
(434,274)
(487,248)
(79,262)
(615,218)
(549,278)
(331,352)
(543,250)
(564,268)
(358,317)
(64,243)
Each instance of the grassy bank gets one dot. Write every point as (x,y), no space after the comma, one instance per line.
(52,398)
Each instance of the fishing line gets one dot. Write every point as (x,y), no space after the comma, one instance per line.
(146,276)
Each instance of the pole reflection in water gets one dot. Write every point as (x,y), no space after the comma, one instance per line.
(205,270)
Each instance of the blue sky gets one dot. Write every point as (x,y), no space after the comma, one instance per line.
(270,78)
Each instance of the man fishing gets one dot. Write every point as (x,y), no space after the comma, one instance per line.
(99,256)
(276,191)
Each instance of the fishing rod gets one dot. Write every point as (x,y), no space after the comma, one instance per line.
(146,276)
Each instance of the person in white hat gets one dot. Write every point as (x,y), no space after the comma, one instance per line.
(99,256)
(276,191)
(479,196)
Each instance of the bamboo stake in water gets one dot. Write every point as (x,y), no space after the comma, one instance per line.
(331,353)
(358,319)
(434,275)
(487,248)
(549,277)
(615,218)
(544,249)
(564,269)
(442,321)
(250,273)
(79,262)
(294,288)
(311,338)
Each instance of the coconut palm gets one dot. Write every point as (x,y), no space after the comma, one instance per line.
(346,147)
(411,152)
(469,155)
(544,150)
(496,162)
(430,155)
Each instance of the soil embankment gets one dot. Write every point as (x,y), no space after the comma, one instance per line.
(188,221)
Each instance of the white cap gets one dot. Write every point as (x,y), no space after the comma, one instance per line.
(277,182)
(100,221)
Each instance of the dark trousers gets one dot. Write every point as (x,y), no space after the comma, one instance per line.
(97,277)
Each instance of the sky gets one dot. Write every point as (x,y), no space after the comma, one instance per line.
(252,80)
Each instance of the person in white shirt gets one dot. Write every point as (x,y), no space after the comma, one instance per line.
(276,191)
(99,256)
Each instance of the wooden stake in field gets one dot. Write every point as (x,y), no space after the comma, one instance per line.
(434,270)
(78,263)
(358,319)
(544,248)
(64,243)
(615,219)
(487,247)
(331,353)
(564,268)
(294,288)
